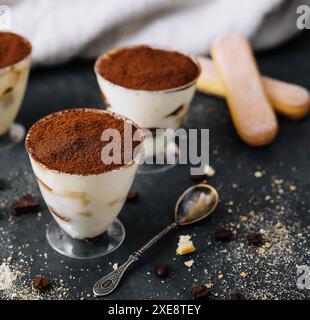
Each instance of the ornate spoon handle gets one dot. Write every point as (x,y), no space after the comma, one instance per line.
(109,282)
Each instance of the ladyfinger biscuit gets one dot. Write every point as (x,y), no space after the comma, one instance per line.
(209,80)
(290,100)
(251,112)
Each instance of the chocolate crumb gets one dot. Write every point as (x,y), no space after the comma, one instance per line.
(25,204)
(161,270)
(255,239)
(223,234)
(40,282)
(200,292)
(237,296)
(132,196)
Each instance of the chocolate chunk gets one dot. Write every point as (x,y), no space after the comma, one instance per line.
(198,177)
(132,195)
(40,282)
(25,204)
(223,234)
(161,270)
(255,239)
(200,292)
(237,296)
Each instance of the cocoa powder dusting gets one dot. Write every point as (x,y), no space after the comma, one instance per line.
(146,68)
(70,141)
(13,48)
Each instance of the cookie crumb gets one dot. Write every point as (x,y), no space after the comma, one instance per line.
(185,245)
(189,263)
(209,171)
(258,174)
(292,188)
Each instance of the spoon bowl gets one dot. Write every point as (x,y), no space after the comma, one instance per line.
(195,204)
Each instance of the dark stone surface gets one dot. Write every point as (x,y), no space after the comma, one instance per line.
(269,274)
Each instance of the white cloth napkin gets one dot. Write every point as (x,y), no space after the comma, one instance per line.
(62,29)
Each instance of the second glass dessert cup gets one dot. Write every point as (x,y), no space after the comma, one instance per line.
(151,110)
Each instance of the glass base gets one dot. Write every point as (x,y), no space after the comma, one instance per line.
(153,168)
(100,246)
(14,135)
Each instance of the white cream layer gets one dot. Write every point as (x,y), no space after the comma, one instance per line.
(84,206)
(13,82)
(149,109)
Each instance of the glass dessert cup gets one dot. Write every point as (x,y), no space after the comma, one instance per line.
(85,207)
(13,83)
(159,109)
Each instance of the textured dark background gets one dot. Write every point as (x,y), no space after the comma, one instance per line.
(268,275)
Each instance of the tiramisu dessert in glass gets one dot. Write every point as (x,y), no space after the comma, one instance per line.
(154,88)
(15,60)
(83,180)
